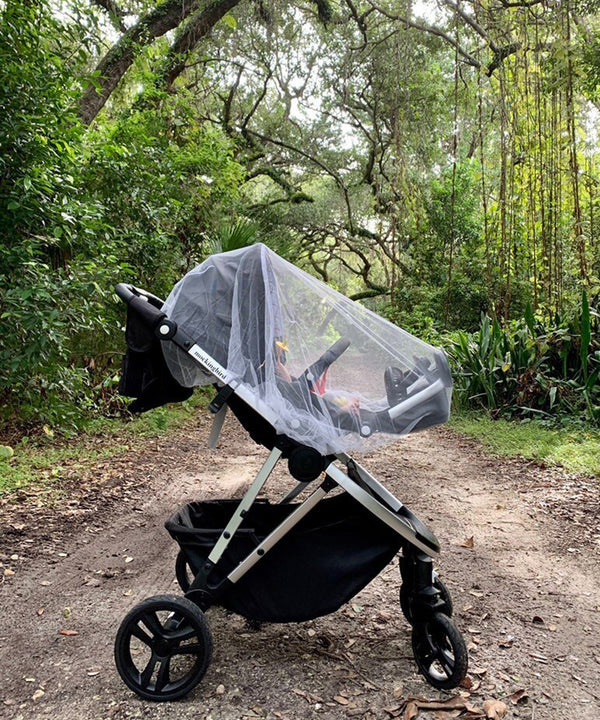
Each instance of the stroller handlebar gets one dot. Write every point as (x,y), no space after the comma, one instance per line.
(125,292)
(144,303)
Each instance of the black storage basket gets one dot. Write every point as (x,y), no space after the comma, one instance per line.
(328,557)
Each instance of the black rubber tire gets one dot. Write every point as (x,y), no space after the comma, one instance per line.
(447,608)
(183,572)
(163,640)
(440,652)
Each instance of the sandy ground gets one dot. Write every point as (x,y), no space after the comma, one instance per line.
(526,594)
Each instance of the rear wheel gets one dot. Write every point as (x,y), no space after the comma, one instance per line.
(183,572)
(163,648)
(440,652)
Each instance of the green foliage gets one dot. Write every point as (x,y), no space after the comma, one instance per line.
(233,237)
(81,209)
(165,181)
(50,289)
(452,228)
(529,368)
(574,447)
(41,461)
(589,76)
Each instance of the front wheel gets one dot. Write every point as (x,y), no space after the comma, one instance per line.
(440,652)
(406,599)
(163,648)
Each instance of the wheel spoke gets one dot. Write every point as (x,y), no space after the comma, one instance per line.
(446,660)
(148,671)
(187,632)
(142,635)
(162,677)
(152,622)
(192,649)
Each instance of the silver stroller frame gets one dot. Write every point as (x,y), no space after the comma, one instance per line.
(438,647)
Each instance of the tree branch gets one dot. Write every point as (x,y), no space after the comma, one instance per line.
(115,13)
(472,22)
(372,292)
(520,3)
(430,29)
(166,16)
(332,173)
(195,29)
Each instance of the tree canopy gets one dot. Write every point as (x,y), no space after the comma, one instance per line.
(436,159)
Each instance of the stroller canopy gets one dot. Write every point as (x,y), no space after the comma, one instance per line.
(266,323)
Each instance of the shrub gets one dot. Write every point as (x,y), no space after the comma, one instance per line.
(529,367)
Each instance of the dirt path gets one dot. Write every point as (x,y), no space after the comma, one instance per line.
(526,594)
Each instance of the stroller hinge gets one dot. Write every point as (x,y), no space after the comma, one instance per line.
(220,399)
(199,591)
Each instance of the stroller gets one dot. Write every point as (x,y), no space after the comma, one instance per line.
(312,376)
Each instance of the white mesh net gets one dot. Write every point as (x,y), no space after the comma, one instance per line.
(267,323)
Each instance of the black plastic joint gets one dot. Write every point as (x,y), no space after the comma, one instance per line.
(165,329)
(220,399)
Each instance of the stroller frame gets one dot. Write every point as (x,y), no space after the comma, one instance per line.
(438,647)
(357,482)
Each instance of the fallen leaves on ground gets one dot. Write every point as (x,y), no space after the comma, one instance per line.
(518,695)
(494,709)
(455,706)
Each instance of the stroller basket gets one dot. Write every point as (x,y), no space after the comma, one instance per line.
(317,567)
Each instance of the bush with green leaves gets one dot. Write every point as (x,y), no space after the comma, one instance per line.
(49,288)
(164,180)
(530,367)
(134,198)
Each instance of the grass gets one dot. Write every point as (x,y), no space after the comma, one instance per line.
(38,462)
(574,447)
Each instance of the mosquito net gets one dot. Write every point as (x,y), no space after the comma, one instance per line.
(323,370)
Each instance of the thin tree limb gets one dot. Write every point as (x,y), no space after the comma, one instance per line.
(430,29)
(332,173)
(198,26)
(115,13)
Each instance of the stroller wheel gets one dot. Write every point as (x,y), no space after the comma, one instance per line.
(406,600)
(183,572)
(440,652)
(163,647)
